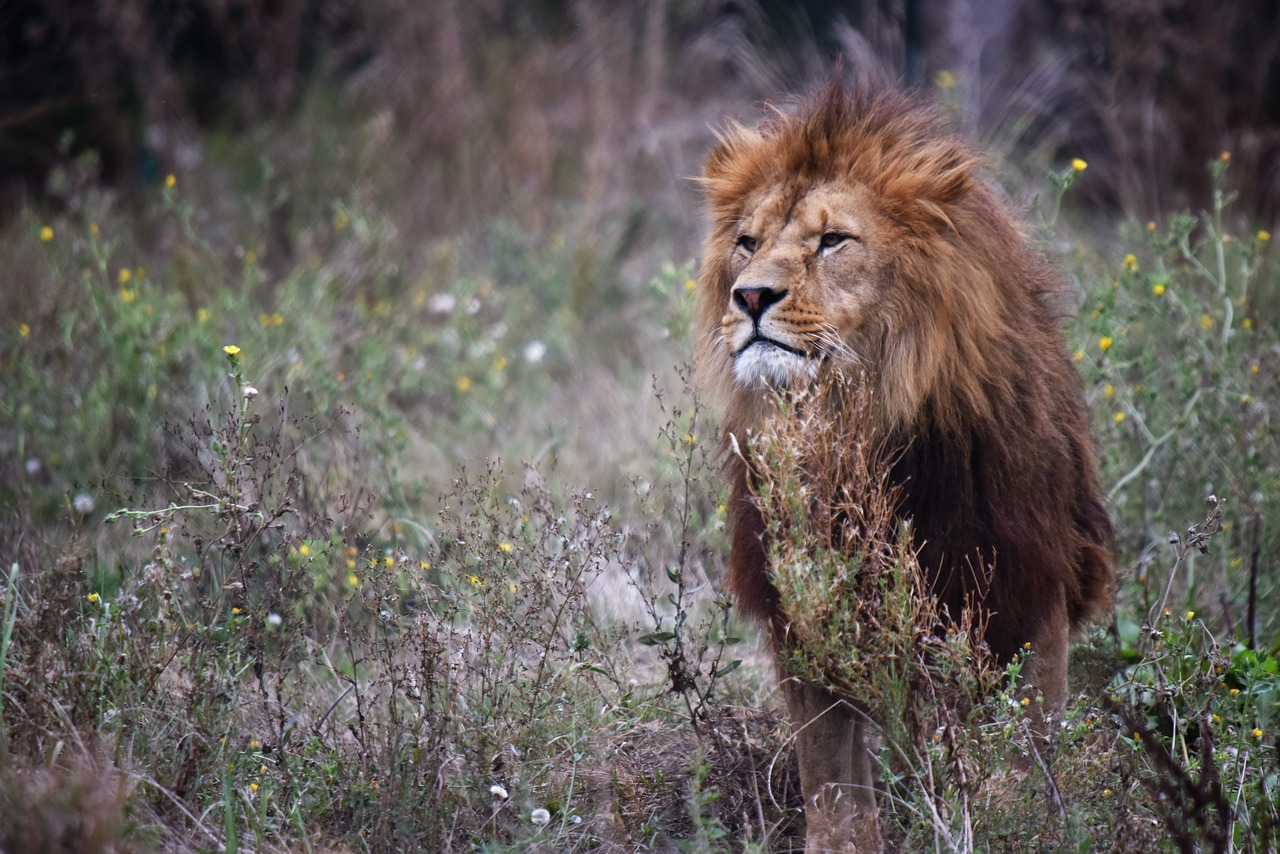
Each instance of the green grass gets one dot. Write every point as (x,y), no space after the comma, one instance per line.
(430,562)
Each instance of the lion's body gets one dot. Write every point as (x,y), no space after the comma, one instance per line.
(858,234)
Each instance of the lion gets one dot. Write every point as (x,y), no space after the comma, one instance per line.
(858,234)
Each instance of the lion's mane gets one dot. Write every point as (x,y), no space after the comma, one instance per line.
(972,382)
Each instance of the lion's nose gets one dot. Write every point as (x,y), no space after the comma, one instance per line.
(755,301)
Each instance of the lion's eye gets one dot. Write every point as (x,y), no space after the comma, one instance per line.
(831,239)
(748,243)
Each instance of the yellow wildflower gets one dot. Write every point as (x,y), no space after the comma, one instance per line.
(170,181)
(125,275)
(353,580)
(1118,417)
(1225,157)
(424,565)
(505,547)
(1263,235)
(253,787)
(93,229)
(304,549)
(1257,733)
(1108,391)
(46,234)
(1247,323)
(1151,225)
(1026,701)
(235,612)
(1130,263)
(690,285)
(474,579)
(1253,369)
(389,561)
(1206,322)
(93,597)
(25,330)
(1105,342)
(1077,356)
(944,79)
(1079,165)
(202,315)
(1234,691)
(127,295)
(351,563)
(1158,289)
(1191,615)
(1106,793)
(463,383)
(500,363)
(251,257)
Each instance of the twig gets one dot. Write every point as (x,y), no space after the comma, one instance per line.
(1255,554)
(1054,794)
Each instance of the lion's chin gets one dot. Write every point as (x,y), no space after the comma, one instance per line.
(763,365)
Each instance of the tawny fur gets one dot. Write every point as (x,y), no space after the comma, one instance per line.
(948,310)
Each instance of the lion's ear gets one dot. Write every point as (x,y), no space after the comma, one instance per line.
(734,145)
(933,186)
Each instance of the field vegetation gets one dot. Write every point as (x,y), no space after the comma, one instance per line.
(354,494)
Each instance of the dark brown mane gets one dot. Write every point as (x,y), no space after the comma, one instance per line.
(995,458)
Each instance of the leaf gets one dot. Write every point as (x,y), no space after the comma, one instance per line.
(655,638)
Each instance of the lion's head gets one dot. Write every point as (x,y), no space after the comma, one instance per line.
(859,232)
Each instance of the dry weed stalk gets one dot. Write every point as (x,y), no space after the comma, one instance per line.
(861,617)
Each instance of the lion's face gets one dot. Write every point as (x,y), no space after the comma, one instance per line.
(806,278)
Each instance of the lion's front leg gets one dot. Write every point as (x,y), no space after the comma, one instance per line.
(1045,674)
(835,771)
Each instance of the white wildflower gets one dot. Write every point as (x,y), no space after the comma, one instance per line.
(498,792)
(534,351)
(540,816)
(442,304)
(274,620)
(83,503)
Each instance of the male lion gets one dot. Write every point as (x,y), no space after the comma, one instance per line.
(858,235)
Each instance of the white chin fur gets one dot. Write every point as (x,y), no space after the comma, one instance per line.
(763,365)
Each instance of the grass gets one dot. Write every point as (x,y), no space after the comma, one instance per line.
(315,540)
